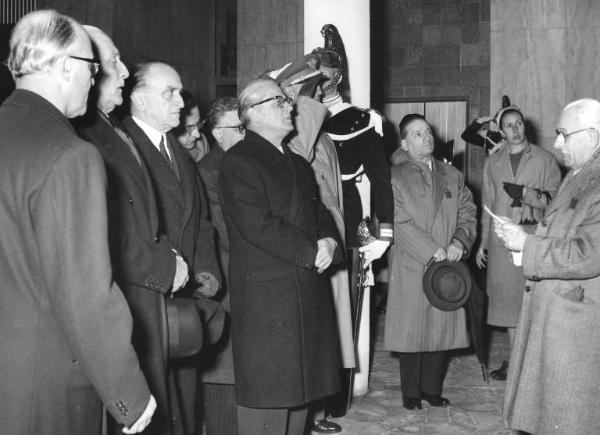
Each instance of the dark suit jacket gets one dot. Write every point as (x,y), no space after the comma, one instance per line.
(183,217)
(285,343)
(143,261)
(182,210)
(65,330)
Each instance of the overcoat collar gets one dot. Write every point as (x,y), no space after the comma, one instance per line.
(573,185)
(23,97)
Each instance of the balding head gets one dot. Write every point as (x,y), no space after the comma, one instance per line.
(579,132)
(109,87)
(156,95)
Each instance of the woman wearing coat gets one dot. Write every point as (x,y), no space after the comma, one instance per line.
(518,182)
(434,218)
(553,384)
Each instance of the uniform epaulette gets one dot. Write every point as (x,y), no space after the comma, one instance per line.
(349,121)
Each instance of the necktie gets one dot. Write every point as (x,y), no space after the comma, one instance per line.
(163,152)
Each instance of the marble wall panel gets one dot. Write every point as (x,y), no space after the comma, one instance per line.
(545,14)
(582,13)
(546,79)
(583,63)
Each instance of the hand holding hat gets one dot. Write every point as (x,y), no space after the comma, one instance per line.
(209,285)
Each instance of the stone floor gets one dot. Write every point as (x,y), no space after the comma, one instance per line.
(476,404)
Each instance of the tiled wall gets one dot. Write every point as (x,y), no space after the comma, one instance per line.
(424,49)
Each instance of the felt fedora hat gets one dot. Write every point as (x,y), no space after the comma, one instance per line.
(184,326)
(447,284)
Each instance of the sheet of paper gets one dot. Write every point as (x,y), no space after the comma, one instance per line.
(500,219)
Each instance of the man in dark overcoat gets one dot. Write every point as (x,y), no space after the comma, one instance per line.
(285,344)
(144,264)
(183,214)
(65,330)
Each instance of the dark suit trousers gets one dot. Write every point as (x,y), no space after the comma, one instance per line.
(271,421)
(422,372)
(220,415)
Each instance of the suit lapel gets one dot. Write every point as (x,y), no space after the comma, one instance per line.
(161,170)
(187,181)
(439,181)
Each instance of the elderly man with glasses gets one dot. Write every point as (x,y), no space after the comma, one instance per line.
(553,383)
(65,329)
(285,345)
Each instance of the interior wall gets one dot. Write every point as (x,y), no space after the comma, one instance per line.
(270,34)
(179,32)
(544,54)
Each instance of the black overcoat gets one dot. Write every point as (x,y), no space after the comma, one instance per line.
(285,343)
(142,259)
(65,329)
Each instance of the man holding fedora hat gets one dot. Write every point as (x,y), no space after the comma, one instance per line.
(434,226)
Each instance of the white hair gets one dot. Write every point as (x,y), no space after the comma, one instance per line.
(39,39)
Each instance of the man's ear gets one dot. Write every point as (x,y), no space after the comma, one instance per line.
(217,133)
(138,101)
(404,144)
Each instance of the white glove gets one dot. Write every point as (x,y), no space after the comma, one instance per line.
(374,250)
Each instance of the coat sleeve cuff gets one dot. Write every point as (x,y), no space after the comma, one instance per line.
(386,232)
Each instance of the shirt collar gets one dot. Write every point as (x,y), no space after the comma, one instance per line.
(153,134)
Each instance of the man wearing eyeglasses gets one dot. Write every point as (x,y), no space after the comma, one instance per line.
(285,345)
(553,383)
(156,103)
(217,363)
(189,131)
(65,329)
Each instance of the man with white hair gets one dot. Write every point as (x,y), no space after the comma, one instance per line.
(553,384)
(281,239)
(144,264)
(65,329)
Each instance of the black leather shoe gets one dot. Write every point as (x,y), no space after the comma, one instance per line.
(435,400)
(411,403)
(325,426)
(500,373)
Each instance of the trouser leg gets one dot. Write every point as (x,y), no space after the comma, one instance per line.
(297,421)
(220,415)
(410,373)
(433,371)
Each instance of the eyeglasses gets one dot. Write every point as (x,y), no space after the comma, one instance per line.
(562,132)
(189,129)
(239,128)
(94,64)
(280,100)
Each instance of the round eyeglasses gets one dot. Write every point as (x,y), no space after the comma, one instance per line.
(189,129)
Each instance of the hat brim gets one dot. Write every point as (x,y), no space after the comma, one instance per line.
(432,276)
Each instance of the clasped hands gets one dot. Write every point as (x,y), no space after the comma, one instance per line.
(325,252)
(208,285)
(454,252)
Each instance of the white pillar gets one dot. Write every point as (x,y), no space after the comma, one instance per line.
(351,17)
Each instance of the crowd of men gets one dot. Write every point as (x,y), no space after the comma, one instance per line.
(138,265)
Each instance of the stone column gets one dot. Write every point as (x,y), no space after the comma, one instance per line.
(351,17)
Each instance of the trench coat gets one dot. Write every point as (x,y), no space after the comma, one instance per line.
(285,343)
(431,208)
(65,329)
(537,170)
(318,149)
(553,383)
(142,259)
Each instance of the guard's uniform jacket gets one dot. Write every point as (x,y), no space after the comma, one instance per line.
(357,135)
